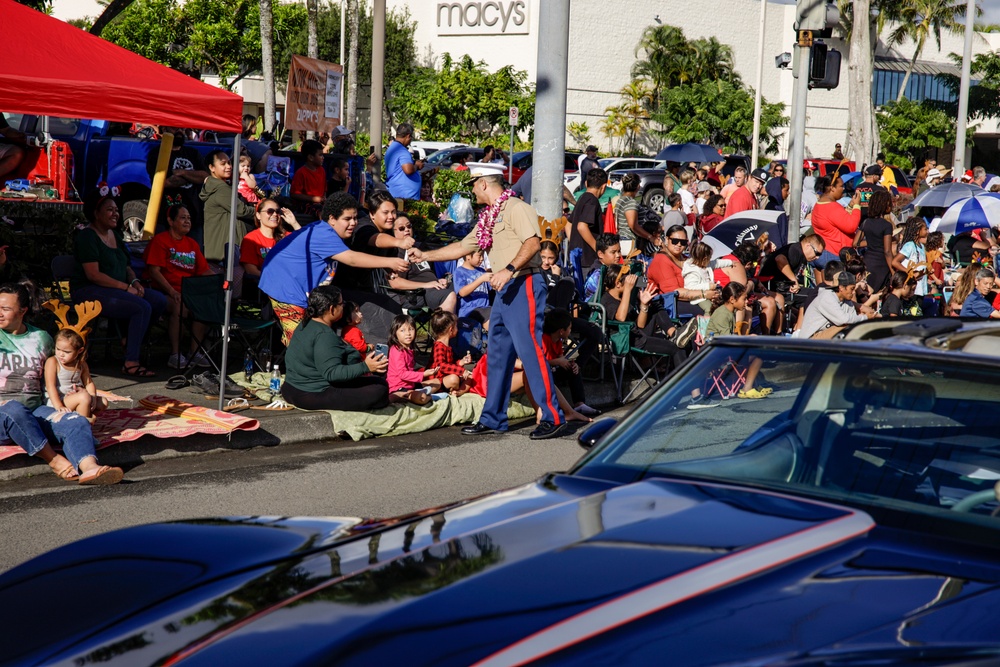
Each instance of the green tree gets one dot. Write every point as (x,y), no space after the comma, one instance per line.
(666,58)
(204,35)
(919,20)
(464,101)
(579,132)
(984,96)
(628,120)
(908,128)
(718,113)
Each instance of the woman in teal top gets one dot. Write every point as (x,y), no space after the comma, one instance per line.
(325,373)
(106,276)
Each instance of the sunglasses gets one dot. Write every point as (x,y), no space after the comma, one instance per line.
(681,242)
(270,211)
(815,251)
(779,171)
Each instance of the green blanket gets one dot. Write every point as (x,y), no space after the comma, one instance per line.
(399,418)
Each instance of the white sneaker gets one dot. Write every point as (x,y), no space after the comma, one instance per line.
(177,361)
(200,360)
(701,403)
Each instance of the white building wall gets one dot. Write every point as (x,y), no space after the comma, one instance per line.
(603,37)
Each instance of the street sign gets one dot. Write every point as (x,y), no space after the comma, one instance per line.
(512,117)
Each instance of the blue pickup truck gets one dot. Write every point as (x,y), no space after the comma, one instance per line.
(102,151)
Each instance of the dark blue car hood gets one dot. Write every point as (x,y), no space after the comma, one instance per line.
(564,571)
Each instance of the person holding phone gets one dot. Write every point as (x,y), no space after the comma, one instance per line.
(320,365)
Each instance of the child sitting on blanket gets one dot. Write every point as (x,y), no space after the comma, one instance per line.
(67,378)
(351,333)
(405,382)
(453,376)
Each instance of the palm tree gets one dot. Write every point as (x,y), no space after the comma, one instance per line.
(267,62)
(637,97)
(665,63)
(920,19)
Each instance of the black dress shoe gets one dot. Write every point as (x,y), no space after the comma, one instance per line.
(478,429)
(547,430)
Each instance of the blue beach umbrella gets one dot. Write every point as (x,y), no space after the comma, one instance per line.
(982,211)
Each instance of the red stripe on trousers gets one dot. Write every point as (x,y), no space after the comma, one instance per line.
(546,375)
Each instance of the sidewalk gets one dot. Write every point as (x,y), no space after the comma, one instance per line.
(276,428)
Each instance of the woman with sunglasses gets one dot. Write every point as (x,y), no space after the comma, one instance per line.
(268,217)
(715,210)
(666,273)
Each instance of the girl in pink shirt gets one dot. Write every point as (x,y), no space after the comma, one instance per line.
(406,383)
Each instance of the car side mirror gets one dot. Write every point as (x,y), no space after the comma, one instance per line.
(593,433)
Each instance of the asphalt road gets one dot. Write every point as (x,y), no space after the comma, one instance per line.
(374,478)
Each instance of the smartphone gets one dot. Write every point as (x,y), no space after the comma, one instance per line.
(371,150)
(382,349)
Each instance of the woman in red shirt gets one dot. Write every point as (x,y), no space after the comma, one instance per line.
(259,242)
(831,221)
(170,257)
(665,273)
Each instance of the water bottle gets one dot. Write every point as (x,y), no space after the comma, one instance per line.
(275,380)
(248,366)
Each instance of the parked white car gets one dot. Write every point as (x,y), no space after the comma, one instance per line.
(425,148)
(609,163)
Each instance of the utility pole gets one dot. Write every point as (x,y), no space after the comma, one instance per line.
(550,108)
(963,91)
(797,129)
(378,74)
(755,151)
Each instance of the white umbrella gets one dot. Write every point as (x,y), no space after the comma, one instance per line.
(943,196)
(981,211)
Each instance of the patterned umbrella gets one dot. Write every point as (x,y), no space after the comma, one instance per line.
(981,211)
(943,196)
(745,226)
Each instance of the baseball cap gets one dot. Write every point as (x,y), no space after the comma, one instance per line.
(967,176)
(811,166)
(340,131)
(846,279)
(591,147)
(873,170)
(761,175)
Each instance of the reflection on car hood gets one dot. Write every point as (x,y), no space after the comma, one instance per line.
(578,570)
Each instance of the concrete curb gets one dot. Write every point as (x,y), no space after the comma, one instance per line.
(281,428)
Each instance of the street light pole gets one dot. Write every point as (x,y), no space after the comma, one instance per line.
(378,74)
(963,91)
(550,108)
(755,151)
(797,138)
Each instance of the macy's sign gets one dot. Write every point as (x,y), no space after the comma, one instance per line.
(494,17)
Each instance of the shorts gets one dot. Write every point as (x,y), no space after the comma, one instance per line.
(426,298)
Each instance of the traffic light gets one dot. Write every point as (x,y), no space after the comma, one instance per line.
(824,66)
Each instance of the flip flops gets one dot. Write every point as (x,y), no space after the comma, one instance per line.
(274,406)
(67,473)
(177,382)
(101,476)
(237,405)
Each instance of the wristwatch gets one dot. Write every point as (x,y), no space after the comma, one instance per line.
(510,267)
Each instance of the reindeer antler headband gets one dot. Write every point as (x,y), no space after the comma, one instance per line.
(85,312)
(551,229)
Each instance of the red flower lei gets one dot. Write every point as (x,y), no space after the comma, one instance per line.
(488,219)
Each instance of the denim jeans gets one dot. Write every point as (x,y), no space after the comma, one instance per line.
(139,311)
(31,431)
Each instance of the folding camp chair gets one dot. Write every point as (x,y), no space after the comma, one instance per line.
(626,353)
(727,380)
(65,267)
(205,300)
(421,316)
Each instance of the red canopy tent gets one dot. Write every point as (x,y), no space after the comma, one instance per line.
(54,69)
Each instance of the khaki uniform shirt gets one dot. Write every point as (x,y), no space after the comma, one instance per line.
(517,223)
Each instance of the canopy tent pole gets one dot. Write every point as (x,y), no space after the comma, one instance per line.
(228,285)
(159,180)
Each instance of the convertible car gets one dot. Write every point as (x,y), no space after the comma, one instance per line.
(848,518)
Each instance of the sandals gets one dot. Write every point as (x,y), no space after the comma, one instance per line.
(67,473)
(177,382)
(102,475)
(138,371)
(237,405)
(275,406)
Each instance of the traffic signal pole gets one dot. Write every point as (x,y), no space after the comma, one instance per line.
(797,130)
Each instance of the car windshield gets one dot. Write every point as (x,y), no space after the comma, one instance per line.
(873,431)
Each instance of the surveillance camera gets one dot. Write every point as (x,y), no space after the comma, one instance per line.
(783,61)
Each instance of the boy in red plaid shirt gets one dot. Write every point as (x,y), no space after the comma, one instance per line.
(453,376)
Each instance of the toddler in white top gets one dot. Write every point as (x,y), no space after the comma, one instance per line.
(697,272)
